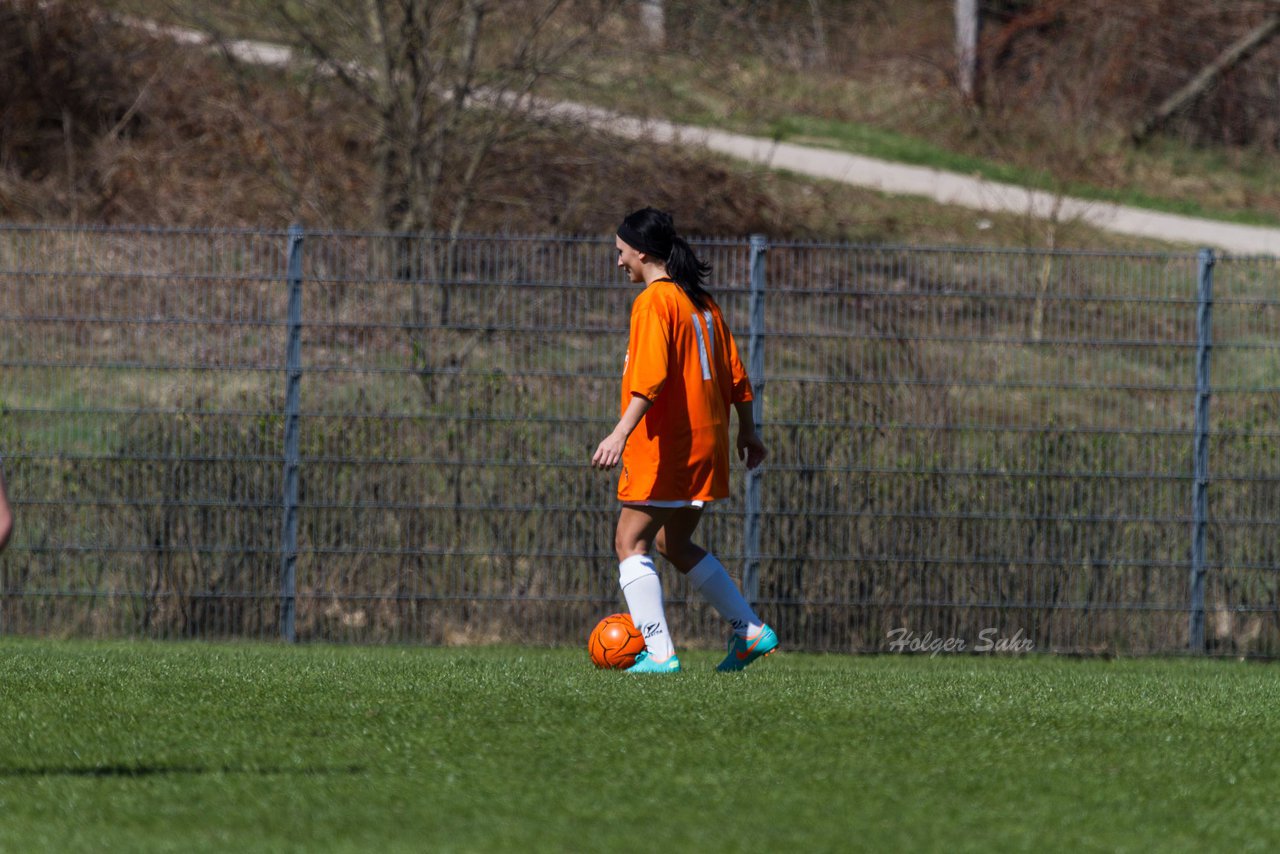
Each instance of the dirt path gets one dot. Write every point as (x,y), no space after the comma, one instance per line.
(944,187)
(888,177)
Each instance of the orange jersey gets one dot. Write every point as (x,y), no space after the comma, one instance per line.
(685,361)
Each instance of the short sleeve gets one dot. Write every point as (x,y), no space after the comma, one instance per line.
(740,383)
(649,350)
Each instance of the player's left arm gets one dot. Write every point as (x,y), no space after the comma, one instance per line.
(750,446)
(739,383)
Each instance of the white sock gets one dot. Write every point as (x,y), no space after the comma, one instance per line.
(711,579)
(643,591)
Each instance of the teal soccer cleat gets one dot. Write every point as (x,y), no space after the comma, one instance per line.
(646,664)
(743,651)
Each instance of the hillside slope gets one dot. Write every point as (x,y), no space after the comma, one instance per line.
(242,150)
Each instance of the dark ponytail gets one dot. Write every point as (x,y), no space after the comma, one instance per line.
(654,232)
(688,272)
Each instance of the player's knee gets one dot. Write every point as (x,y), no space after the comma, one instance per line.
(627,546)
(683,554)
(6,528)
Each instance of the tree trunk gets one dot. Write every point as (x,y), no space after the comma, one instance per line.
(654,21)
(1228,59)
(967,23)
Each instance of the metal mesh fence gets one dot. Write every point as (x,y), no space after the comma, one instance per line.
(1242,552)
(991,441)
(964,443)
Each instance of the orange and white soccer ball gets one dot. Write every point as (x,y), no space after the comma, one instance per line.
(615,642)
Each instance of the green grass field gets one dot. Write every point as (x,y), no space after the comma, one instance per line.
(149,747)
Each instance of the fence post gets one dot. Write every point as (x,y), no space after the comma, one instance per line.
(292,405)
(1200,479)
(755,346)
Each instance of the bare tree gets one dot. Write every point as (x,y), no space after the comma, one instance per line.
(445,82)
(967,24)
(653,19)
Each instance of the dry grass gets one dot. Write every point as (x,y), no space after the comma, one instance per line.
(179,138)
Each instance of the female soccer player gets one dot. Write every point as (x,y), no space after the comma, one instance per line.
(6,514)
(681,374)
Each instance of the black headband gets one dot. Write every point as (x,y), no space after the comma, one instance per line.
(634,239)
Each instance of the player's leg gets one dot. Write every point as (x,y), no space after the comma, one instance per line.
(751,639)
(638,525)
(706,573)
(675,539)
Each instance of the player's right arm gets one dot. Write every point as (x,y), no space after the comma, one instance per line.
(609,452)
